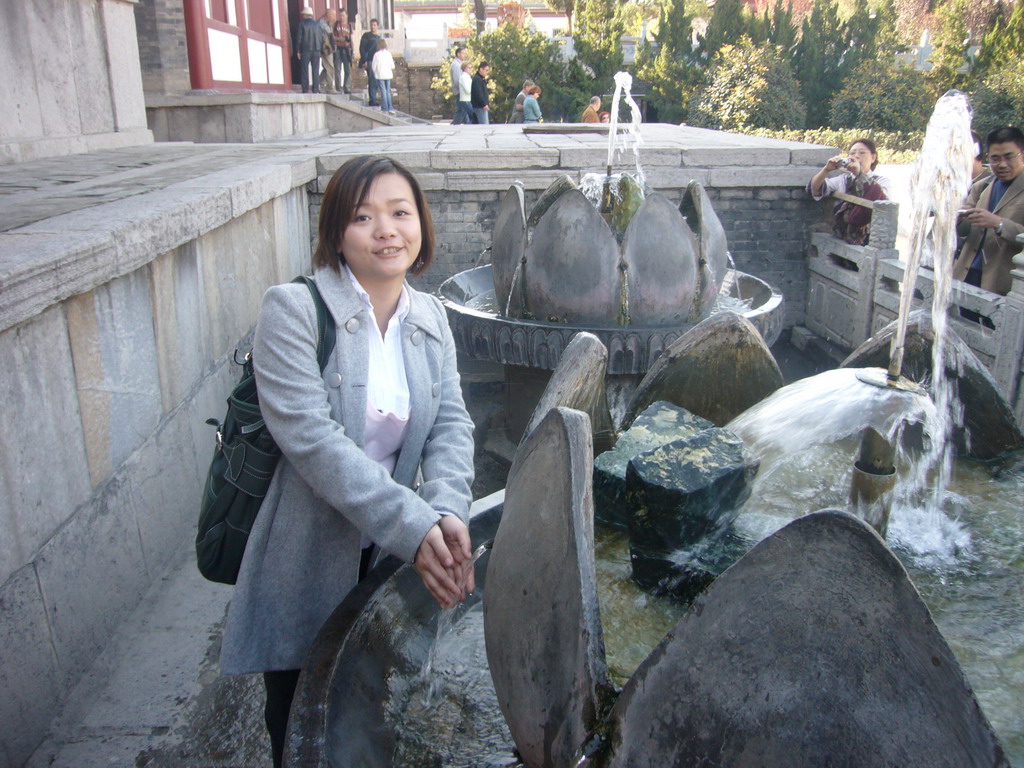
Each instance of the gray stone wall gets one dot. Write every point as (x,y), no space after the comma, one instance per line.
(163,55)
(71,77)
(105,448)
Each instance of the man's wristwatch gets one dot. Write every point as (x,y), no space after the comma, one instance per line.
(999,229)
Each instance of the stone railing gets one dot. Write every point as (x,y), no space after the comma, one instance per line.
(854,291)
(841,279)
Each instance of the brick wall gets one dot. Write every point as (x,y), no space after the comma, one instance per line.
(415,95)
(160,26)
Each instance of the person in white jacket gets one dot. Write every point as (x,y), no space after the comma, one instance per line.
(384,69)
(464,111)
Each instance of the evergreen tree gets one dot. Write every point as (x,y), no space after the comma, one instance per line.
(728,24)
(567,7)
(1003,42)
(779,27)
(950,47)
(668,66)
(888,39)
(862,28)
(818,60)
(597,39)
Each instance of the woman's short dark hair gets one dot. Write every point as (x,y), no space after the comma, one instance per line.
(347,190)
(871,148)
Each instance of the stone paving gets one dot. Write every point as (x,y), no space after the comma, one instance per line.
(42,189)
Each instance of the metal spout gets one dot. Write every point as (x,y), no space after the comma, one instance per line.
(874,475)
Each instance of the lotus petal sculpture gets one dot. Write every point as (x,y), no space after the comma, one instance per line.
(642,261)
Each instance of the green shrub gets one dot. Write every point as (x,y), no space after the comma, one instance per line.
(883,96)
(748,87)
(895,147)
(999,100)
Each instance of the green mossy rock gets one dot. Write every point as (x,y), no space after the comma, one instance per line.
(659,424)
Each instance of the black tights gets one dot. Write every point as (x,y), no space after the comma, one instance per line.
(280,687)
(280,691)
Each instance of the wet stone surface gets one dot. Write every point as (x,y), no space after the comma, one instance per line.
(659,424)
(684,494)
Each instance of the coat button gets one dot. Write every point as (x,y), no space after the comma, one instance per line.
(417,337)
(437,389)
(352,325)
(334,379)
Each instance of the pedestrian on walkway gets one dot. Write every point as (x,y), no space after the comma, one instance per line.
(591,113)
(480,96)
(384,70)
(327,77)
(455,69)
(531,106)
(464,114)
(377,449)
(309,39)
(342,55)
(517,108)
(367,50)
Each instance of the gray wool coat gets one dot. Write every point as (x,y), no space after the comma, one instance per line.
(303,553)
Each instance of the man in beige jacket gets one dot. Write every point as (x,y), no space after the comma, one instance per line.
(993,216)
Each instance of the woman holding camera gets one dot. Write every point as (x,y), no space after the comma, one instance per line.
(852,222)
(377,450)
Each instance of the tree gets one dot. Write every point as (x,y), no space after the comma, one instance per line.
(888,39)
(748,87)
(1003,43)
(950,47)
(563,6)
(779,27)
(818,59)
(882,95)
(598,40)
(999,100)
(516,54)
(728,24)
(634,14)
(669,66)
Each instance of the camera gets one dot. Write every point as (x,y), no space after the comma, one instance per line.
(843,162)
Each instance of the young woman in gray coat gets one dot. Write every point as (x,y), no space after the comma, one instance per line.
(377,450)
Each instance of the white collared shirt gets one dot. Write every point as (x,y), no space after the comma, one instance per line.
(387,389)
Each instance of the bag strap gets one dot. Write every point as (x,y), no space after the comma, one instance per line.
(326,331)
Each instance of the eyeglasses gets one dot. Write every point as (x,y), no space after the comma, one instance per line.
(1001,159)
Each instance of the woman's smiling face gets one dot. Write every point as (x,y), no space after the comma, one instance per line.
(385,235)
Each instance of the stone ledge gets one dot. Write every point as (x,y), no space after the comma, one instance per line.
(36,149)
(46,262)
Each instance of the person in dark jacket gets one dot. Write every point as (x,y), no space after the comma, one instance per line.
(367,49)
(308,41)
(479,96)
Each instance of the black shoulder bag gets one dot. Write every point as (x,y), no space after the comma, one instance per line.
(243,464)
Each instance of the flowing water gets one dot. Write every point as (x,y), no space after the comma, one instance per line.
(632,139)
(969,569)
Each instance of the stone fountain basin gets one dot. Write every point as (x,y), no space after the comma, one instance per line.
(482,334)
(365,658)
